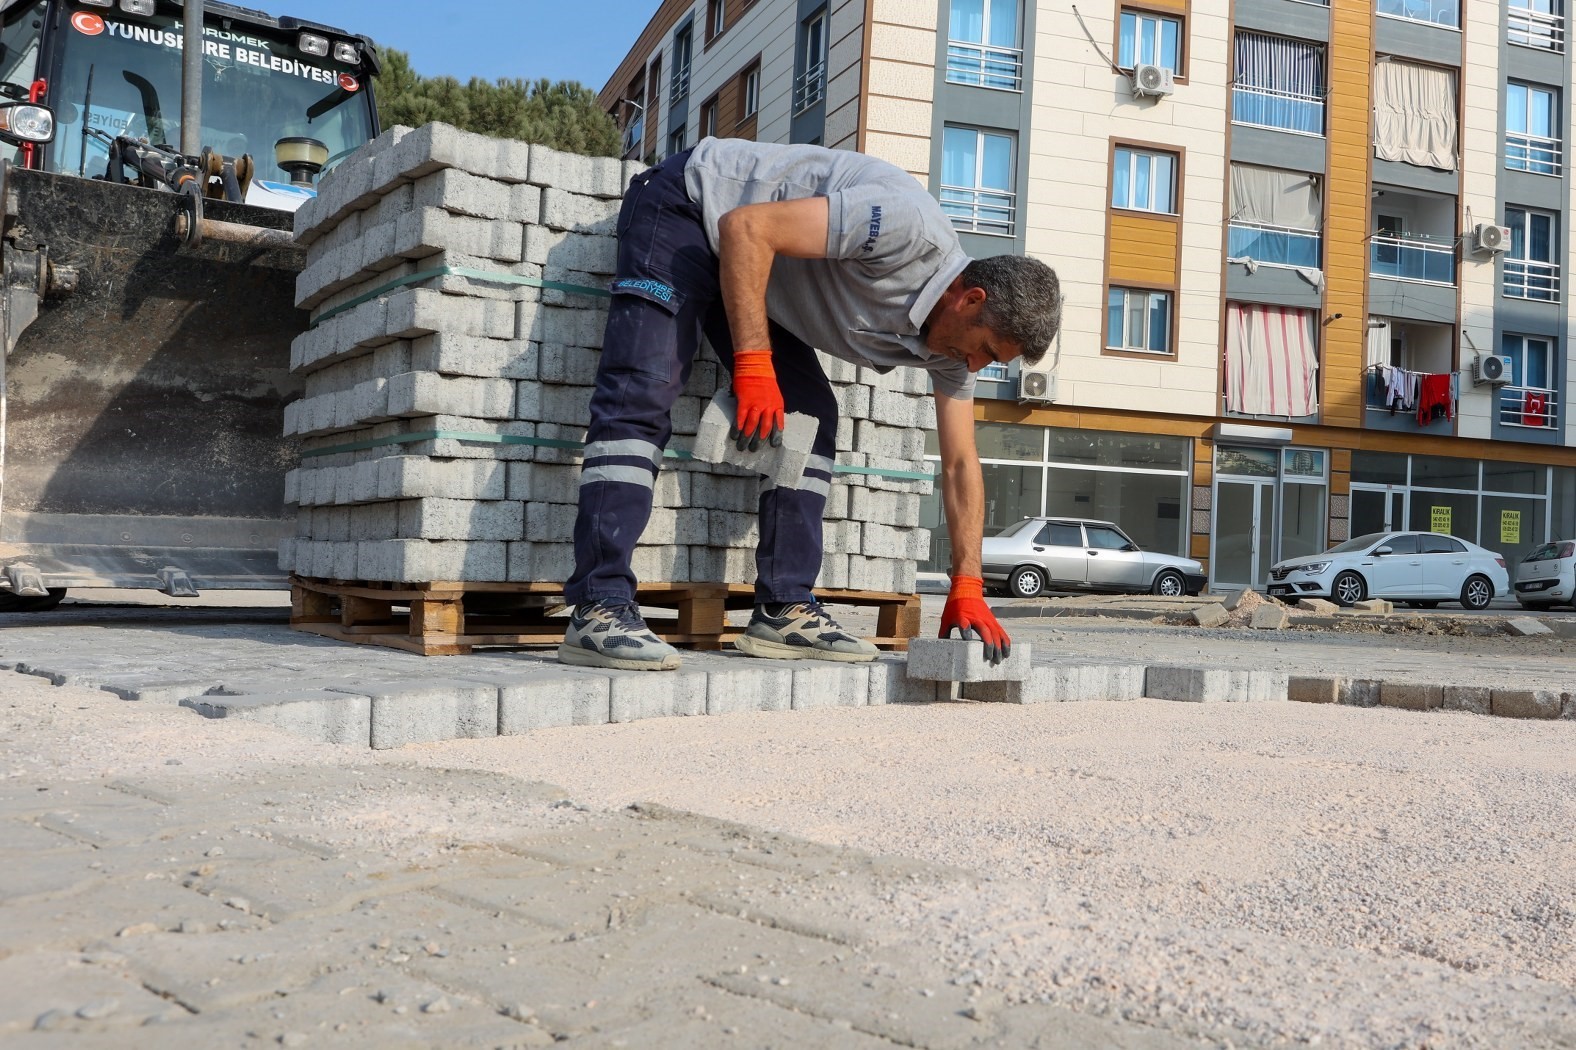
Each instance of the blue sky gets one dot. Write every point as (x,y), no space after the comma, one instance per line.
(558,39)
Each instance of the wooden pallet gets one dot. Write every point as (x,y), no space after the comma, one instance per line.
(450,619)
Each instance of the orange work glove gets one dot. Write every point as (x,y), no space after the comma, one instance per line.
(967,613)
(760,412)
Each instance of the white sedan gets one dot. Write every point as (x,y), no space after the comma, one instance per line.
(1421,569)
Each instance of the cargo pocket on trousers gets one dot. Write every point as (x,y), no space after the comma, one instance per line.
(642,327)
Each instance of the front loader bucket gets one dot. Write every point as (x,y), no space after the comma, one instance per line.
(143,407)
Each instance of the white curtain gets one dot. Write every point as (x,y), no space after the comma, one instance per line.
(1378,342)
(1275,197)
(1415,114)
(1271,362)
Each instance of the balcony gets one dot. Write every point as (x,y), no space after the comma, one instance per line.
(1281,110)
(1532,279)
(809,88)
(982,65)
(1403,259)
(1445,13)
(681,84)
(1273,245)
(1537,154)
(980,211)
(634,137)
(1529,407)
(1531,28)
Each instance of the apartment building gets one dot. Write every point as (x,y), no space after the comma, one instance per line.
(1312,252)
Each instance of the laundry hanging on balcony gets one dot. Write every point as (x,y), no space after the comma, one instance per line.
(1431,396)
(1272,361)
(1414,114)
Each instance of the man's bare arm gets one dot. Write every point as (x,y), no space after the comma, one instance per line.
(962,483)
(749,239)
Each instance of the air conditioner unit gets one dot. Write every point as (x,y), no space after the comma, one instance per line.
(1486,238)
(1036,386)
(1152,81)
(1492,369)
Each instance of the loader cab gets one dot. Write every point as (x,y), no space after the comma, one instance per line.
(113,67)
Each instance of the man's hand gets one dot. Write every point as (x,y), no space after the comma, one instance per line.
(967,613)
(760,413)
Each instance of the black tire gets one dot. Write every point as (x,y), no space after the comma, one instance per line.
(1422,605)
(1477,592)
(42,603)
(1170,583)
(1025,582)
(1348,589)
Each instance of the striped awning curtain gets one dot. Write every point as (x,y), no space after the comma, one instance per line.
(1271,361)
(1279,64)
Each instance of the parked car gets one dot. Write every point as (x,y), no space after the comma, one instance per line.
(1547,575)
(1081,554)
(1421,569)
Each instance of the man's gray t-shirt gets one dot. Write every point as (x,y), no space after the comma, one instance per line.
(890,252)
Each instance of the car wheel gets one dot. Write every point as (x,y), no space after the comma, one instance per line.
(1169,583)
(1348,589)
(1477,592)
(1422,605)
(41,603)
(1026,581)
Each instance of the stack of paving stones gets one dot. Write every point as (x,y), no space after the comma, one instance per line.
(442,416)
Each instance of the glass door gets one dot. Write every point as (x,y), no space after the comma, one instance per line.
(1377,508)
(1244,526)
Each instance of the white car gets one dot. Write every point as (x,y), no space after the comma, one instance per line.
(1547,575)
(1421,569)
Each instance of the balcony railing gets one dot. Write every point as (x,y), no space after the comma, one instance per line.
(1377,399)
(809,88)
(1534,407)
(983,65)
(1532,279)
(1273,245)
(982,211)
(1531,28)
(1538,154)
(1283,110)
(634,136)
(1437,12)
(1402,259)
(681,83)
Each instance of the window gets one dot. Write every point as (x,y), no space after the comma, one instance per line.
(1532,141)
(676,142)
(983,45)
(1149,39)
(1536,23)
(977,180)
(1530,270)
(708,118)
(1434,12)
(635,121)
(809,86)
(1138,320)
(1532,398)
(716,19)
(1275,217)
(1279,83)
(1060,534)
(1144,180)
(1414,114)
(1272,361)
(750,100)
(1105,538)
(1403,545)
(682,46)
(654,86)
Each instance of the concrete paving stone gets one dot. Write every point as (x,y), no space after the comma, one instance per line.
(568,365)
(59,993)
(1526,627)
(428,561)
(827,683)
(1208,684)
(427,710)
(890,684)
(1477,699)
(548,697)
(563,210)
(784,464)
(1270,618)
(1411,696)
(458,519)
(61,871)
(158,689)
(545,562)
(462,193)
(1318,606)
(1233,599)
(1313,689)
(634,695)
(542,322)
(1377,606)
(1212,615)
(317,714)
(1526,703)
(459,355)
(123,907)
(961,660)
(741,683)
(1062,683)
(429,394)
(1360,692)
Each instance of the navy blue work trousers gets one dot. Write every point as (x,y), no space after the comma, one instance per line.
(666,293)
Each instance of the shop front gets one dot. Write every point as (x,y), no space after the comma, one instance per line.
(1268,503)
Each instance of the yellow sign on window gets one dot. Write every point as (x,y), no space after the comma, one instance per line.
(1439,519)
(1510,526)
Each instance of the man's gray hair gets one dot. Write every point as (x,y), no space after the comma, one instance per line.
(1023,301)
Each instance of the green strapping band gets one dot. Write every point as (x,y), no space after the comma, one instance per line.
(468,272)
(562,443)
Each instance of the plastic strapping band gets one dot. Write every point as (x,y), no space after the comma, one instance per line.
(467,272)
(561,443)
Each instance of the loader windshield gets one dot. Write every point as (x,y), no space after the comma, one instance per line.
(122,76)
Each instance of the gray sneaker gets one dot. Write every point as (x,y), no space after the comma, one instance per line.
(610,633)
(801,631)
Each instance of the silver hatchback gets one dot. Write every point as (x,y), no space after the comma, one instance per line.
(1547,575)
(1082,554)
